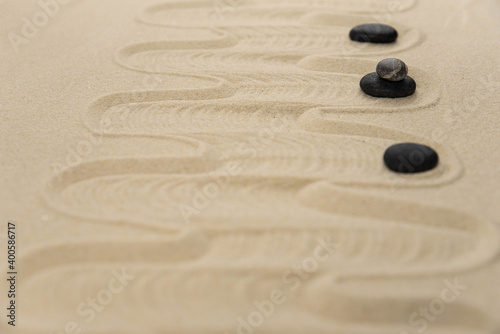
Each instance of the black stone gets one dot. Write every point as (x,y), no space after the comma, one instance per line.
(373,85)
(409,158)
(392,69)
(373,33)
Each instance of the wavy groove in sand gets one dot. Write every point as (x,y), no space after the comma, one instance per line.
(242,51)
(151,200)
(381,241)
(363,251)
(312,147)
(241,95)
(283,41)
(200,14)
(437,241)
(171,293)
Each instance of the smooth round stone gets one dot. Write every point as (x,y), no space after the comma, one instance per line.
(375,86)
(373,33)
(392,69)
(409,158)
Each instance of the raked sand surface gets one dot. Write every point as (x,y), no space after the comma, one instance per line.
(213,167)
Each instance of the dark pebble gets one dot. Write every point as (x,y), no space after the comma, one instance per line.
(373,33)
(410,158)
(373,85)
(392,69)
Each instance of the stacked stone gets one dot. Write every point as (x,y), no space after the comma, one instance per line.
(390,80)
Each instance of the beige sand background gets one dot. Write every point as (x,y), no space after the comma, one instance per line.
(212,149)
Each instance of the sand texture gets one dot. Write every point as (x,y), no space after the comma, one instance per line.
(214,167)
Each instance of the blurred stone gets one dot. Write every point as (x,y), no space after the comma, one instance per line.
(373,33)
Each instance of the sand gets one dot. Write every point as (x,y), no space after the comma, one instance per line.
(214,167)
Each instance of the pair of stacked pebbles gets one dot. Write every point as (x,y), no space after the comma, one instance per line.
(391,80)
